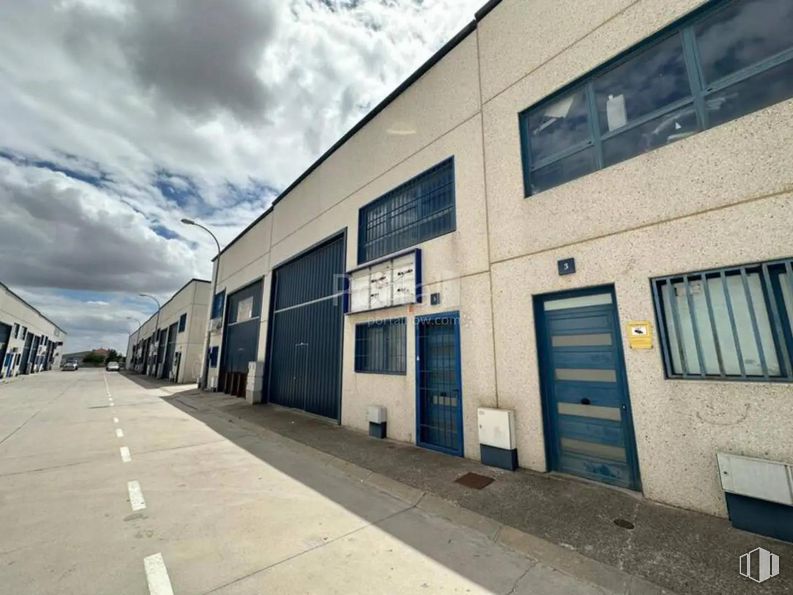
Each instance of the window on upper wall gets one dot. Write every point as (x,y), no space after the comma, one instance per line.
(182,322)
(380,347)
(217,305)
(416,211)
(16,331)
(728,324)
(729,60)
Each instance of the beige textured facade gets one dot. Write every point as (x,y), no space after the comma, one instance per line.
(29,341)
(720,198)
(181,361)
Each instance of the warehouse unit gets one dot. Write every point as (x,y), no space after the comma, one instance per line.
(169,345)
(29,341)
(577,214)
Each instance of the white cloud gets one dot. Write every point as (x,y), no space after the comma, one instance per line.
(170,104)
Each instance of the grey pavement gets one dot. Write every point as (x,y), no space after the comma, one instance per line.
(563,522)
(220,508)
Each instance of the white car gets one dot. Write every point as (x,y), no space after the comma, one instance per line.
(112,367)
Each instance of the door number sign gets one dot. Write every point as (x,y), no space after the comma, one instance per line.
(640,334)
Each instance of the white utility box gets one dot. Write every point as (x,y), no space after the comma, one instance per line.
(496,428)
(757,478)
(376,414)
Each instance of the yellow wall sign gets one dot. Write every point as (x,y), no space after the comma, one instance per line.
(640,334)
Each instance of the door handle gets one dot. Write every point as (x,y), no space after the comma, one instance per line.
(586,401)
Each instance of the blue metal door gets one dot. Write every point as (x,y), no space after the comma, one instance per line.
(307,331)
(439,406)
(588,423)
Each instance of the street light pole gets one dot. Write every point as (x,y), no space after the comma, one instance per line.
(156,325)
(205,371)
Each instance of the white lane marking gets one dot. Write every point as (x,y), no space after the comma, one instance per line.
(119,433)
(115,420)
(125,456)
(157,575)
(112,404)
(107,386)
(135,496)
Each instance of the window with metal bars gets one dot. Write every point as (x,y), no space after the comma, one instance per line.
(416,211)
(726,61)
(380,347)
(730,324)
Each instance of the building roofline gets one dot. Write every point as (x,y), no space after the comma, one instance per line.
(170,299)
(374,112)
(482,12)
(32,307)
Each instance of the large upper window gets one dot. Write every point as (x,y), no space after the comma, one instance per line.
(217,304)
(733,59)
(732,323)
(380,347)
(416,211)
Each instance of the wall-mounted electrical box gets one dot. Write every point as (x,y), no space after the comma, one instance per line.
(378,421)
(497,445)
(759,494)
(756,478)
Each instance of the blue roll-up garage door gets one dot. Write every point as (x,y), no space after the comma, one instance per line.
(5,338)
(240,338)
(23,367)
(306,331)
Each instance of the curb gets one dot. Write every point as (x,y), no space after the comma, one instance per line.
(536,548)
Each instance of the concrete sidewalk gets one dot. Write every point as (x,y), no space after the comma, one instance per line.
(577,527)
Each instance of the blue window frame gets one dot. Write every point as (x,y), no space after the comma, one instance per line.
(725,61)
(733,323)
(217,304)
(380,346)
(416,211)
(182,322)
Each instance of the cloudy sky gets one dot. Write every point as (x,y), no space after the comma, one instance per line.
(120,117)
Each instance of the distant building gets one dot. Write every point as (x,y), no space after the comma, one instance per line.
(79,356)
(29,341)
(170,344)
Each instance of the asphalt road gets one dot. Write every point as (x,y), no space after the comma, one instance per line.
(106,487)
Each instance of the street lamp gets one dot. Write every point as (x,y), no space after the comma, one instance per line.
(156,325)
(205,371)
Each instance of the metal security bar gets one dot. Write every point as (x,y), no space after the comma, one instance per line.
(380,347)
(439,398)
(416,211)
(731,324)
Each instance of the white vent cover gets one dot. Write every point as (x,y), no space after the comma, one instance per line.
(496,428)
(756,478)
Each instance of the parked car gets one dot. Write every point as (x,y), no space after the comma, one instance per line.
(70,367)
(112,367)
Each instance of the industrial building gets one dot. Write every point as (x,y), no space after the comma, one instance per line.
(170,344)
(576,213)
(29,341)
